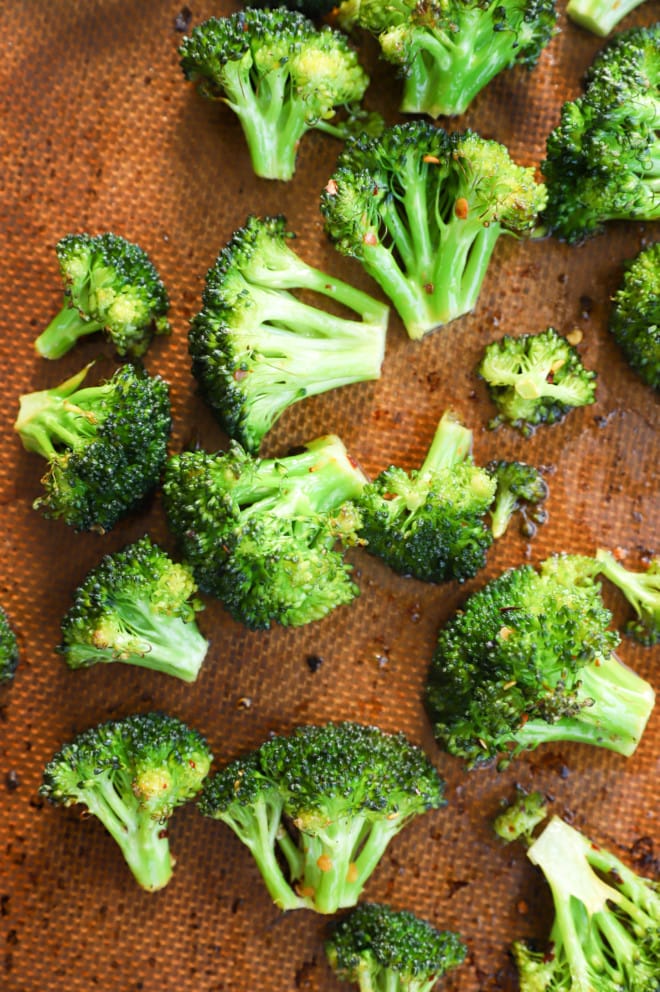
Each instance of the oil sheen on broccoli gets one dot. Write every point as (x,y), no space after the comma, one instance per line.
(137,606)
(530,659)
(256,349)
(8,649)
(318,808)
(422,210)
(635,316)
(600,16)
(132,774)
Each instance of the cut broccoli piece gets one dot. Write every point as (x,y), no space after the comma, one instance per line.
(535,379)
(280,75)
(385,950)
(448,50)
(137,606)
(521,489)
(428,523)
(519,819)
(606,932)
(529,659)
(256,349)
(111,286)
(132,774)
(318,808)
(600,16)
(8,649)
(642,590)
(635,317)
(422,211)
(105,445)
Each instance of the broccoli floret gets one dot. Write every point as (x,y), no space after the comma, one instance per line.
(381,949)
(105,445)
(318,808)
(111,286)
(519,818)
(535,379)
(520,488)
(8,649)
(260,534)
(603,159)
(529,659)
(422,211)
(256,349)
(600,16)
(280,75)
(642,590)
(132,774)
(448,50)
(606,932)
(428,523)
(635,317)
(136,606)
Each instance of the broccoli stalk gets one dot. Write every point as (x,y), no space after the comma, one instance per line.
(642,590)
(8,649)
(600,16)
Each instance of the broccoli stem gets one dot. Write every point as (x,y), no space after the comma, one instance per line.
(641,589)
(501,512)
(600,16)
(49,417)
(329,860)
(451,444)
(63,332)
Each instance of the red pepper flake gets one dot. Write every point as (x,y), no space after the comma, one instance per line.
(370,238)
(461,208)
(431,159)
(429,288)
(523,719)
(331,188)
(389,496)
(239,375)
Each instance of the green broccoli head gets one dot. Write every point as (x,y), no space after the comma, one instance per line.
(318,808)
(132,774)
(529,659)
(635,317)
(8,649)
(535,379)
(377,947)
(110,286)
(279,73)
(520,489)
(642,590)
(606,931)
(137,606)
(105,445)
(599,16)
(519,818)
(422,210)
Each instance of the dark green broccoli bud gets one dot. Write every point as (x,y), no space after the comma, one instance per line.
(105,445)
(137,606)
(132,774)
(260,534)
(535,379)
(8,649)
(448,50)
(111,286)
(600,16)
(422,210)
(635,317)
(529,659)
(642,590)
(606,932)
(256,349)
(379,948)
(319,807)
(518,819)
(280,75)
(521,489)
(429,523)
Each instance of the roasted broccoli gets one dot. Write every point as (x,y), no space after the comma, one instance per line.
(381,949)
(136,606)
(635,317)
(111,286)
(519,818)
(520,488)
(318,808)
(642,590)
(8,649)
(529,659)
(132,774)
(602,159)
(535,379)
(256,349)
(448,50)
(260,534)
(422,211)
(280,75)
(606,932)
(600,16)
(105,445)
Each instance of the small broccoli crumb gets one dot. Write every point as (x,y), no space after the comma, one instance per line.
(8,649)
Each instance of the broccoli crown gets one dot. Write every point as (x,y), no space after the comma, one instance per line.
(422,211)
(279,73)
(448,50)
(520,488)
(328,799)
(642,590)
(377,947)
(635,316)
(136,606)
(132,774)
(529,659)
(519,818)
(256,349)
(602,160)
(105,445)
(606,932)
(428,523)
(535,379)
(110,285)
(599,16)
(8,649)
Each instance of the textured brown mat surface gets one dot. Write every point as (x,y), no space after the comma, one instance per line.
(100,132)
